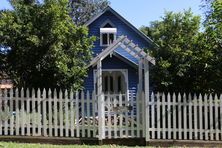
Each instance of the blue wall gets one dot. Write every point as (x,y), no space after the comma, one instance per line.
(122,29)
(114,62)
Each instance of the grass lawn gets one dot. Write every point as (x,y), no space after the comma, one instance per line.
(26,145)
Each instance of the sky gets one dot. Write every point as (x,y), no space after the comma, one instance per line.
(142,12)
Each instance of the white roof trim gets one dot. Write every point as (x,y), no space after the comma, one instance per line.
(108,30)
(108,22)
(140,51)
(136,52)
(124,20)
(107,51)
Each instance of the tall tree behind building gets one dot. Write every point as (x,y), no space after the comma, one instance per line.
(83,10)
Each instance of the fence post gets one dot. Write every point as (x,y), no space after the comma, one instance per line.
(101,115)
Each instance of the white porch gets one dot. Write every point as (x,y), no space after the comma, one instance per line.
(143,60)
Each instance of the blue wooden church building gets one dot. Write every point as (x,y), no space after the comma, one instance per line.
(119,63)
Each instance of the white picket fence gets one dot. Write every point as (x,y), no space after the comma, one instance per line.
(185,117)
(68,114)
(81,114)
(47,113)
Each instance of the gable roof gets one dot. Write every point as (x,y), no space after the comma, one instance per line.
(127,45)
(108,8)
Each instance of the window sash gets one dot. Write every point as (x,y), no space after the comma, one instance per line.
(108,39)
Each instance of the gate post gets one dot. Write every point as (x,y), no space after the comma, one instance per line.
(101,113)
(146,75)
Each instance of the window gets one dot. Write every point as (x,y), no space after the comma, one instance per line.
(107,34)
(119,84)
(106,84)
(105,39)
(111,83)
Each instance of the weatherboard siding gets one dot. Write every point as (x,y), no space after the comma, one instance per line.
(114,63)
(122,29)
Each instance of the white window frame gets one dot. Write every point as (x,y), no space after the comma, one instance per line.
(107,22)
(123,71)
(108,40)
(108,31)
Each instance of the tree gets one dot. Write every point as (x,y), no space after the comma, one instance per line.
(44,47)
(83,10)
(213,29)
(177,68)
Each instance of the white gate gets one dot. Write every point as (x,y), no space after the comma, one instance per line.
(123,116)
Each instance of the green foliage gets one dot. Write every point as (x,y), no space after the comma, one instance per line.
(213,29)
(45,48)
(83,10)
(177,35)
(188,60)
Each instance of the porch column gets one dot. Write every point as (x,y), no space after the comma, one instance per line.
(140,96)
(146,88)
(101,114)
(99,77)
(140,71)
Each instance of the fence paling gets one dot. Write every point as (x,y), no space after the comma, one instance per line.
(206,116)
(185,116)
(44,114)
(216,118)
(115,118)
(39,117)
(55,122)
(211,117)
(200,117)
(11,111)
(0,112)
(179,116)
(143,114)
(220,114)
(72,113)
(138,117)
(163,117)
(66,114)
(109,116)
(131,128)
(77,114)
(94,113)
(50,111)
(88,114)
